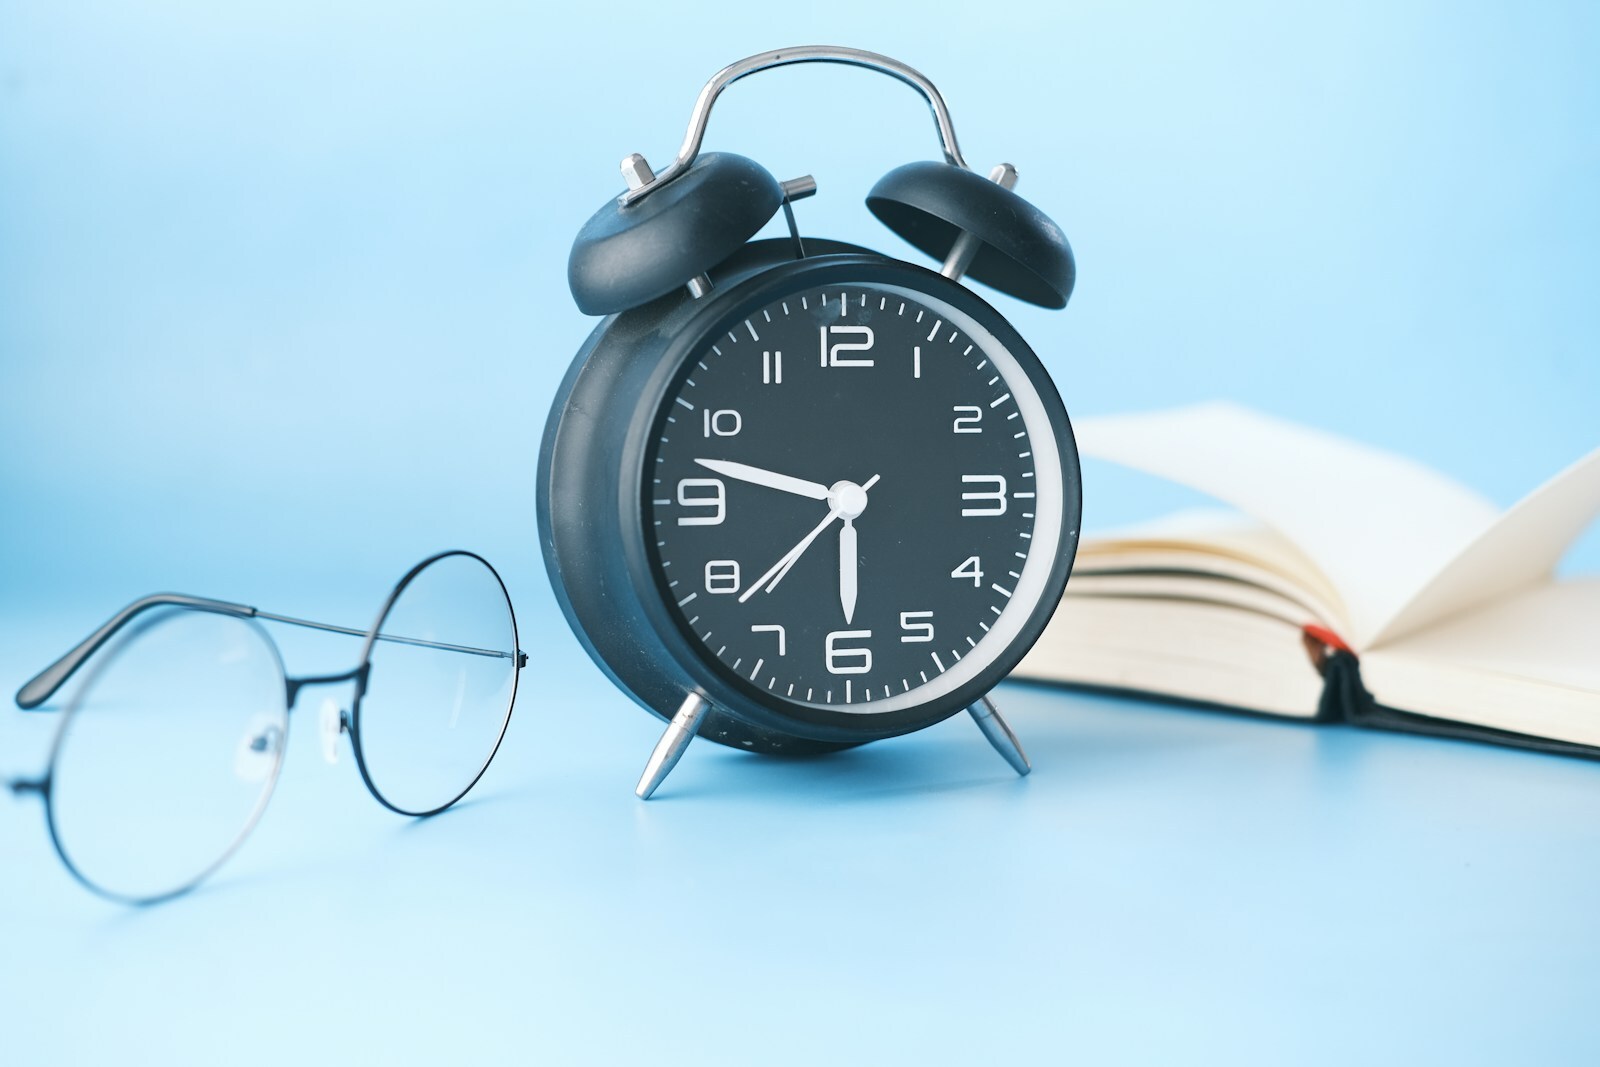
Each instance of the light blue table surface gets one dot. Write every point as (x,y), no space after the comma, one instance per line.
(282,306)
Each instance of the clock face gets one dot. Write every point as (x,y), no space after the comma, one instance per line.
(855,500)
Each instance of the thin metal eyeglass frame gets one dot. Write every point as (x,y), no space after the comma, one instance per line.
(376,634)
(42,686)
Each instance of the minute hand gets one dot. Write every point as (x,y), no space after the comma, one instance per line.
(776,572)
(770,479)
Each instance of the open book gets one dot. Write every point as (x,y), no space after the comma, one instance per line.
(1349,584)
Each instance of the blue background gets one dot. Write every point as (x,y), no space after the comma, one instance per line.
(282,306)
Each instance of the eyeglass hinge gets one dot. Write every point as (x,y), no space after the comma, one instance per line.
(19,786)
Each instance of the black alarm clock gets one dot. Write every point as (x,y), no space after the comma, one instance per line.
(794,494)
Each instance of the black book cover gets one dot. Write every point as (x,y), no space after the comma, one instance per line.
(1346,699)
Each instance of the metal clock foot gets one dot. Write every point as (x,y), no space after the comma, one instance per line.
(680,731)
(987,716)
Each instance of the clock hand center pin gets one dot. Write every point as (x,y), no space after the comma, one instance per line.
(849,499)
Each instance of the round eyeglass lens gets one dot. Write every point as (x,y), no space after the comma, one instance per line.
(168,752)
(442,672)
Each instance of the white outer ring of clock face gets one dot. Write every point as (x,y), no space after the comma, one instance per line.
(1046,534)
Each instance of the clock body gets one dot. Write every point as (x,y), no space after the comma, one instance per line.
(838,497)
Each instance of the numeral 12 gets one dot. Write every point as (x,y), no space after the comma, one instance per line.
(831,356)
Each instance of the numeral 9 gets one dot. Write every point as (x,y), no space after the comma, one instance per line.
(693,493)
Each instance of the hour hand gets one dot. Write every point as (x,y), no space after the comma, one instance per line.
(771,479)
(847,570)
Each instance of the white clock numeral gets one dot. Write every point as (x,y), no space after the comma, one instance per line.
(918,626)
(692,494)
(724,422)
(722,576)
(995,496)
(970,568)
(772,368)
(967,423)
(830,354)
(783,644)
(916,361)
(846,660)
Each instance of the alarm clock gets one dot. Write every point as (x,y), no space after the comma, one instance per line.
(795,495)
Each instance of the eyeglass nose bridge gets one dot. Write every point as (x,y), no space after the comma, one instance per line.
(333,720)
(358,675)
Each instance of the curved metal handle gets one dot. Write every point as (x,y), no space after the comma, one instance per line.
(782,57)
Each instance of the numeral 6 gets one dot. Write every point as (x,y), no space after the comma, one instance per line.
(845,660)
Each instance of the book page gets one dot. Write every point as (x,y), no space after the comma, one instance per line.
(1550,633)
(1519,551)
(1193,651)
(1220,532)
(1525,663)
(1376,524)
(1215,543)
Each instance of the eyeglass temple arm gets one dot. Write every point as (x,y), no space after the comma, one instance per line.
(43,686)
(521,657)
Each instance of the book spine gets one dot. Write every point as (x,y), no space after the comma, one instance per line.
(1343,696)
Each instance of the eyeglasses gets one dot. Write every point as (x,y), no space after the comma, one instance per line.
(170,746)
